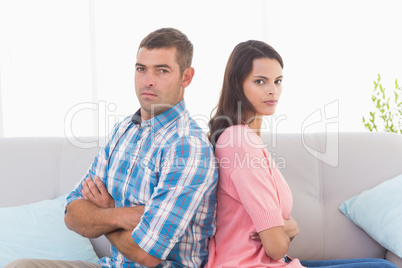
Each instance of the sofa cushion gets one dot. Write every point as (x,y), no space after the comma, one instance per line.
(38,231)
(378,211)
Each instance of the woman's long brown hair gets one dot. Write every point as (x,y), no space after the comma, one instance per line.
(233,106)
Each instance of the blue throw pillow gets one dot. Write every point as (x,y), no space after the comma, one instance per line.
(378,212)
(38,231)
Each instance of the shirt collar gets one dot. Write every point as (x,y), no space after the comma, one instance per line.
(161,119)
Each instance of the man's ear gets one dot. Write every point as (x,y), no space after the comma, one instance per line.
(187,77)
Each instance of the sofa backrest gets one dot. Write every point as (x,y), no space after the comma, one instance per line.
(34,169)
(322,171)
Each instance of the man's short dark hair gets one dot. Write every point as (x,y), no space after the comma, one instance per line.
(169,38)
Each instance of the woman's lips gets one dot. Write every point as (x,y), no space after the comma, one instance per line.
(270,102)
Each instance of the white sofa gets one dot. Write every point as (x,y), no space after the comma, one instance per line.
(322,171)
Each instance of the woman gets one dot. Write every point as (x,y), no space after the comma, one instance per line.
(254,223)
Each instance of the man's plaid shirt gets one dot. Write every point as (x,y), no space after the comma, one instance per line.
(167,164)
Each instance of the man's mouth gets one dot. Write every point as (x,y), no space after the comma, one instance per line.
(148,94)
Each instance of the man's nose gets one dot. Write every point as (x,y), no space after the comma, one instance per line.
(149,80)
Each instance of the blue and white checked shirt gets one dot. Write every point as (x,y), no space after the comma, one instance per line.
(167,164)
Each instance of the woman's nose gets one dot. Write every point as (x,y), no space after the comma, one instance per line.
(271,89)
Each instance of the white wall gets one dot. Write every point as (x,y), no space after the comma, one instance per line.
(1,116)
(46,65)
(333,51)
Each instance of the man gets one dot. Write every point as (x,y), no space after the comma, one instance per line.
(151,188)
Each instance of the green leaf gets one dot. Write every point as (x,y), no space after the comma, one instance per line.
(389,109)
(378,104)
(368,127)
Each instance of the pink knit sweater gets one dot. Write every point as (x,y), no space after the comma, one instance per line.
(252,196)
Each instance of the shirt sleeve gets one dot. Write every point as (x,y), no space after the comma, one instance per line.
(252,182)
(187,185)
(97,168)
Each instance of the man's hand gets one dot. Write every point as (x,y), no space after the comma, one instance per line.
(96,192)
(96,214)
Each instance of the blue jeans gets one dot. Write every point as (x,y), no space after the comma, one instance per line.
(350,263)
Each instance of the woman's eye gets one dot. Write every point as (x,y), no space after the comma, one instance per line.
(259,82)
(278,82)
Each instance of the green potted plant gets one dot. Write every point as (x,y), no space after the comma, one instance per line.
(388,109)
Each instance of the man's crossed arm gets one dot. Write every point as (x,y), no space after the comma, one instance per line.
(96,215)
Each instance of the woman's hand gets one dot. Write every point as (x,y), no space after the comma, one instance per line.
(291,228)
(254,236)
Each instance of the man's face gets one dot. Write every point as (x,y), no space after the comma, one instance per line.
(158,83)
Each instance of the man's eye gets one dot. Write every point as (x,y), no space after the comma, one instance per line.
(164,71)
(140,69)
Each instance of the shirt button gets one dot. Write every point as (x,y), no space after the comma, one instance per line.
(128,170)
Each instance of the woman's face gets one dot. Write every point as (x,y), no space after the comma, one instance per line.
(263,85)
